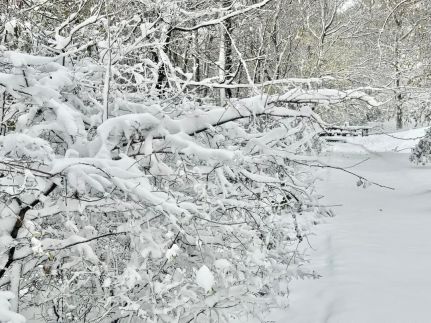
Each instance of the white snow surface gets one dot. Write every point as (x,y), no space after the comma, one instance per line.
(401,141)
(373,258)
(205,278)
(6,315)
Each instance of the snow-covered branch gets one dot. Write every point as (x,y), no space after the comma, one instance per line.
(224,17)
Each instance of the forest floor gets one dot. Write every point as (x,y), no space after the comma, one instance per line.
(374,256)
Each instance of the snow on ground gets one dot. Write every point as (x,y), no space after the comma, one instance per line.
(374,257)
(400,142)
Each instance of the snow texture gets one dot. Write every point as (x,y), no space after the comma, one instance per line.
(402,141)
(6,315)
(371,262)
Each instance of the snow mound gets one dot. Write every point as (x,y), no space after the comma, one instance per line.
(401,142)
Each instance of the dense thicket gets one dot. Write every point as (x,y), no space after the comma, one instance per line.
(155,154)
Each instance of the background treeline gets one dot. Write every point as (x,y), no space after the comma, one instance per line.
(229,48)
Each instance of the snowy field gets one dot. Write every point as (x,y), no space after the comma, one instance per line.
(375,255)
(385,142)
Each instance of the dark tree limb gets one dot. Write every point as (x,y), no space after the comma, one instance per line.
(19,222)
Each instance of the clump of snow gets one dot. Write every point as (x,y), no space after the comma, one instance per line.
(125,124)
(36,246)
(172,252)
(21,146)
(21,59)
(130,277)
(205,278)
(222,264)
(6,315)
(10,26)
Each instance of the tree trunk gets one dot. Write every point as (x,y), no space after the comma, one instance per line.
(399,96)
(399,116)
(225,53)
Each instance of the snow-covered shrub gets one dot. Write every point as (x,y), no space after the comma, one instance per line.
(421,153)
(123,202)
(154,213)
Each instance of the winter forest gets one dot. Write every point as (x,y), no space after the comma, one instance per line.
(260,161)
